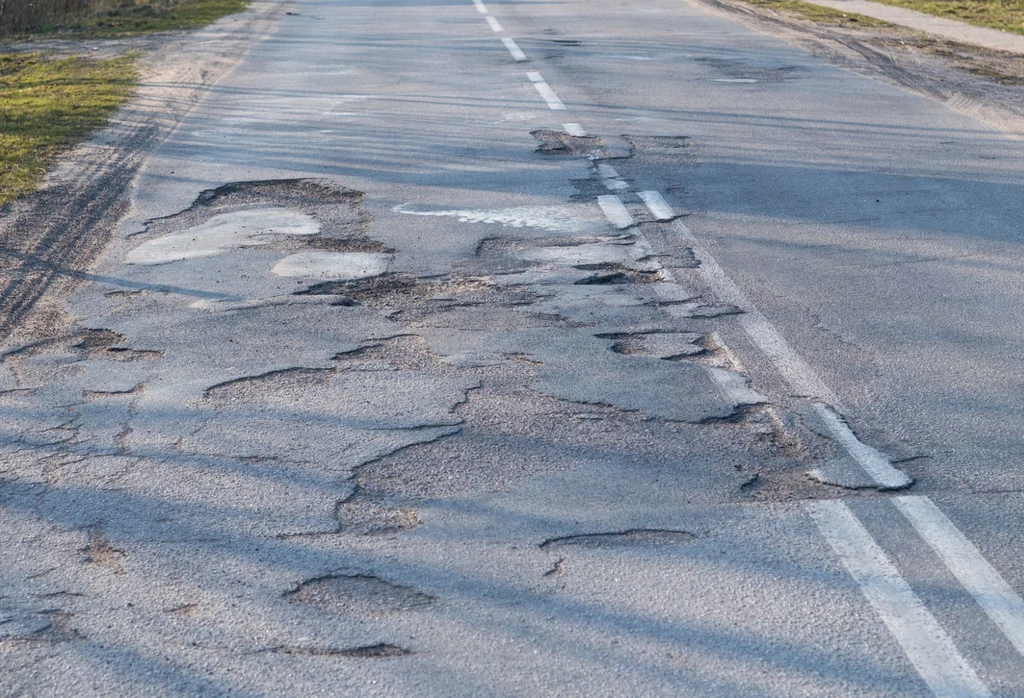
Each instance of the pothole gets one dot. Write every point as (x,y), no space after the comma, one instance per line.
(287,215)
(333,266)
(223,232)
(658,142)
(395,290)
(381,650)
(616,274)
(358,594)
(360,516)
(562,143)
(648,537)
(662,345)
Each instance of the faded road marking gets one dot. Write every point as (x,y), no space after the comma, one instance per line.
(575,130)
(480,6)
(610,177)
(924,641)
(545,91)
(513,48)
(554,218)
(874,462)
(495,24)
(965,561)
(223,232)
(614,211)
(657,205)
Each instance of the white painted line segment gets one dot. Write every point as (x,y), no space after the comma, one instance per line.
(801,377)
(513,48)
(614,211)
(874,462)
(480,6)
(610,177)
(495,24)
(658,206)
(965,561)
(545,91)
(575,130)
(925,643)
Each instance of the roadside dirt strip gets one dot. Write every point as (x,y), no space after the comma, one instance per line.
(398,401)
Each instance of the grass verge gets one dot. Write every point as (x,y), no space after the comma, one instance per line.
(47,105)
(108,19)
(1007,15)
(819,14)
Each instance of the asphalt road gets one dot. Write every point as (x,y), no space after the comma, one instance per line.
(603,348)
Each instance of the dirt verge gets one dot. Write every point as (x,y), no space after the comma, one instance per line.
(49,238)
(987,85)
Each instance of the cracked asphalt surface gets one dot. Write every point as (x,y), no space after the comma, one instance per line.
(414,365)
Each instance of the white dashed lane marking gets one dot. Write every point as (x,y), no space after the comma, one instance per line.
(513,48)
(575,130)
(495,24)
(874,462)
(923,640)
(614,211)
(657,205)
(545,91)
(480,6)
(610,177)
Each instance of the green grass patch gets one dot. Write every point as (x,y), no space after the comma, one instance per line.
(819,14)
(101,19)
(48,105)
(1007,15)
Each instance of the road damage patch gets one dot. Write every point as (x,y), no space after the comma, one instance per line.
(358,595)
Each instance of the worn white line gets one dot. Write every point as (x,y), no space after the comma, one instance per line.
(925,643)
(658,206)
(480,6)
(802,379)
(513,48)
(575,130)
(614,211)
(874,462)
(495,24)
(610,177)
(545,91)
(965,561)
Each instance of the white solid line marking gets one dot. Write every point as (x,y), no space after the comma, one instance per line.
(993,594)
(495,24)
(803,379)
(925,643)
(513,48)
(575,130)
(545,91)
(800,376)
(874,462)
(614,211)
(480,6)
(658,206)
